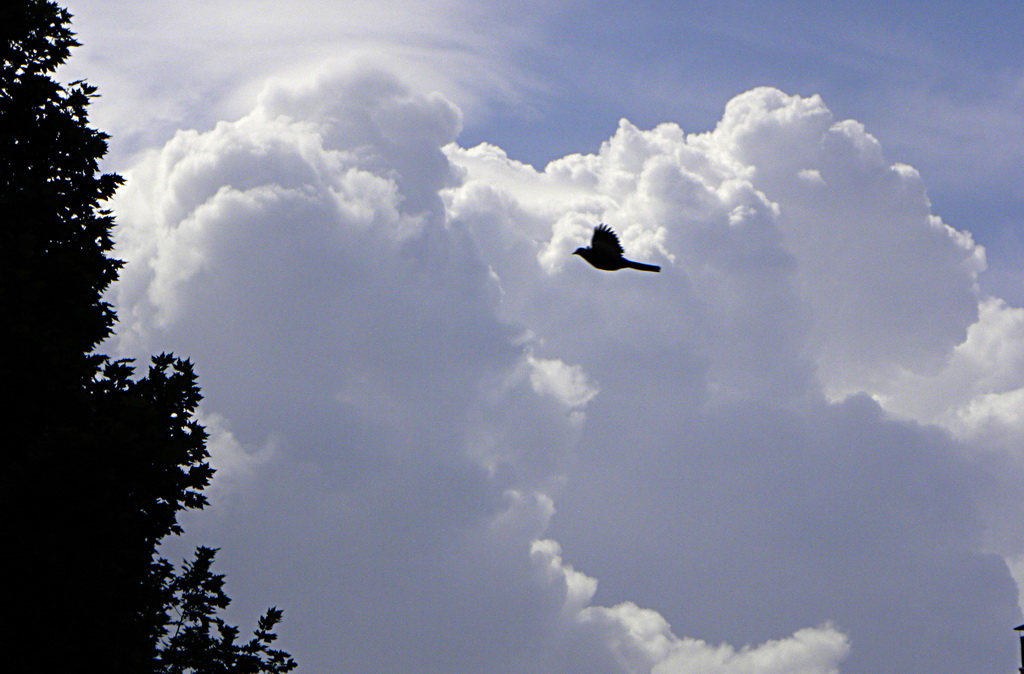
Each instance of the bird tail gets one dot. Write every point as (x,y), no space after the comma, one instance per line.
(641,266)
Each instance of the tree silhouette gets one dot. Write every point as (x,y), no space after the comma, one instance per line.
(97,462)
(191,645)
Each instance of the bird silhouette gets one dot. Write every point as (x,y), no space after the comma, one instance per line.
(605,252)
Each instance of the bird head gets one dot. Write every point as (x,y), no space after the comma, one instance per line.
(578,251)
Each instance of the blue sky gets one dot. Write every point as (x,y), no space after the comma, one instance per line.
(445,444)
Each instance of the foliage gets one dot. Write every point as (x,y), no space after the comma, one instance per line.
(97,462)
(57,236)
(193,646)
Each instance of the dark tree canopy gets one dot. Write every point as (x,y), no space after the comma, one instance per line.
(97,462)
(199,641)
(56,237)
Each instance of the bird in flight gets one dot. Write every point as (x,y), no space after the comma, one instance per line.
(605,252)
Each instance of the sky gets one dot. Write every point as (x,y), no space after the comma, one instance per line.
(445,444)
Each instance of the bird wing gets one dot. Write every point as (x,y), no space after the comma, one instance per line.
(605,241)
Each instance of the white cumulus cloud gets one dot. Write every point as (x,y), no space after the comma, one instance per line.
(462,415)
